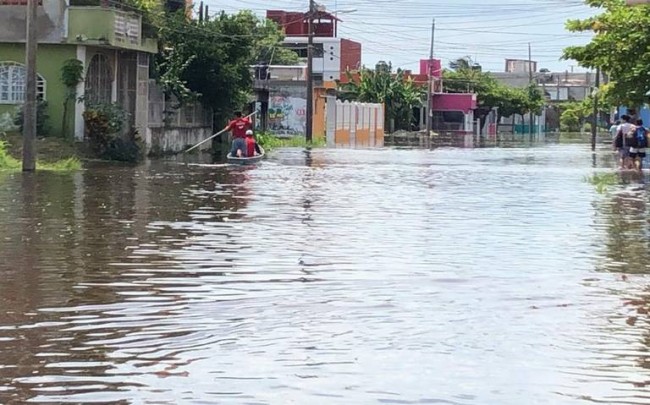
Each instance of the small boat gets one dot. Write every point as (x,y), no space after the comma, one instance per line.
(246,160)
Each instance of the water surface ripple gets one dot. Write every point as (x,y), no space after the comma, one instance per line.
(496,276)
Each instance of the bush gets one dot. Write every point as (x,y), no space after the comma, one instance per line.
(7,122)
(104,124)
(42,127)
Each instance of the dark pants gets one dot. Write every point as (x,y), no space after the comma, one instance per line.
(238,143)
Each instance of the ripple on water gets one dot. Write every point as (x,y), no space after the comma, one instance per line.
(488,276)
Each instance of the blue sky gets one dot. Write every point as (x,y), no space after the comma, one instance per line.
(489,31)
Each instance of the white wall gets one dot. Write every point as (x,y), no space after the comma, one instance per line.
(330,64)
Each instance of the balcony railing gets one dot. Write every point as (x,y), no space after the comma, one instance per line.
(98,25)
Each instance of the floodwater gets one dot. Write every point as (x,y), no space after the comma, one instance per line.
(493,276)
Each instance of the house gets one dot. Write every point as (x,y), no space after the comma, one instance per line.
(450,112)
(282,91)
(556,86)
(110,42)
(115,50)
(333,56)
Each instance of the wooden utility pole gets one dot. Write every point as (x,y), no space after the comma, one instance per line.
(30,106)
(530,74)
(594,124)
(310,72)
(430,88)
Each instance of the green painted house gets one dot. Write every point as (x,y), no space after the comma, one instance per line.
(108,41)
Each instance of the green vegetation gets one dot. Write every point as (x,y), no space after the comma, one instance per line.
(105,123)
(602,181)
(620,48)
(71,74)
(42,118)
(8,162)
(576,116)
(398,93)
(269,142)
(210,60)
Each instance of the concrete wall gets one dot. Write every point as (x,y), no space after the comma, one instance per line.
(330,64)
(350,55)
(287,108)
(51,22)
(170,140)
(99,26)
(354,124)
(49,63)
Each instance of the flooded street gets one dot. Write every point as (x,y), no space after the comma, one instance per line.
(490,276)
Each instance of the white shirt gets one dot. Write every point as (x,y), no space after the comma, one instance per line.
(613,130)
(625,128)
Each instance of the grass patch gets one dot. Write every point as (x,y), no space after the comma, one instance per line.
(602,181)
(65,165)
(269,141)
(8,162)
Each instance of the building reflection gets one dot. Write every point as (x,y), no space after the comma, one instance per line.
(66,240)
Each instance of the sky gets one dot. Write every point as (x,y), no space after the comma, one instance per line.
(489,31)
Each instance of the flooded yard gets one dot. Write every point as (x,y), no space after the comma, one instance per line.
(489,276)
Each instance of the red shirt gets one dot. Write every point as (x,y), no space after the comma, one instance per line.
(250,146)
(239,127)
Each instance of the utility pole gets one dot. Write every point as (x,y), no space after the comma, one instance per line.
(430,86)
(530,74)
(594,124)
(29,108)
(310,72)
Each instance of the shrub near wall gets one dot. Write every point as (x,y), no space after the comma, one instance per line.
(104,124)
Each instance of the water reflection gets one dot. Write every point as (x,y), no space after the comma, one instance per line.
(327,276)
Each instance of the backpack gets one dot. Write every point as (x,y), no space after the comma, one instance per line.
(641,139)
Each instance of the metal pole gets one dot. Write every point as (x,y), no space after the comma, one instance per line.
(30,107)
(430,89)
(310,73)
(594,125)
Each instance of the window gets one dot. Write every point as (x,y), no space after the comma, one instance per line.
(99,80)
(301,49)
(13,81)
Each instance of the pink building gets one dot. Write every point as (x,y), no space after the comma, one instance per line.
(451,112)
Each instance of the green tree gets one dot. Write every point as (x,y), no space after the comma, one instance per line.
(268,48)
(575,114)
(399,94)
(210,60)
(620,48)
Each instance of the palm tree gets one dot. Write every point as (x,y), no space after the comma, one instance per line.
(398,93)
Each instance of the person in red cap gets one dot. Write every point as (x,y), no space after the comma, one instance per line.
(251,145)
(238,126)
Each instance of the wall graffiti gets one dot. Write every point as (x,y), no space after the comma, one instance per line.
(287,111)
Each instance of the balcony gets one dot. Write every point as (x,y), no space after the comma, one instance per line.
(103,26)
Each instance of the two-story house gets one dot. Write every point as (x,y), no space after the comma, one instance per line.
(107,37)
